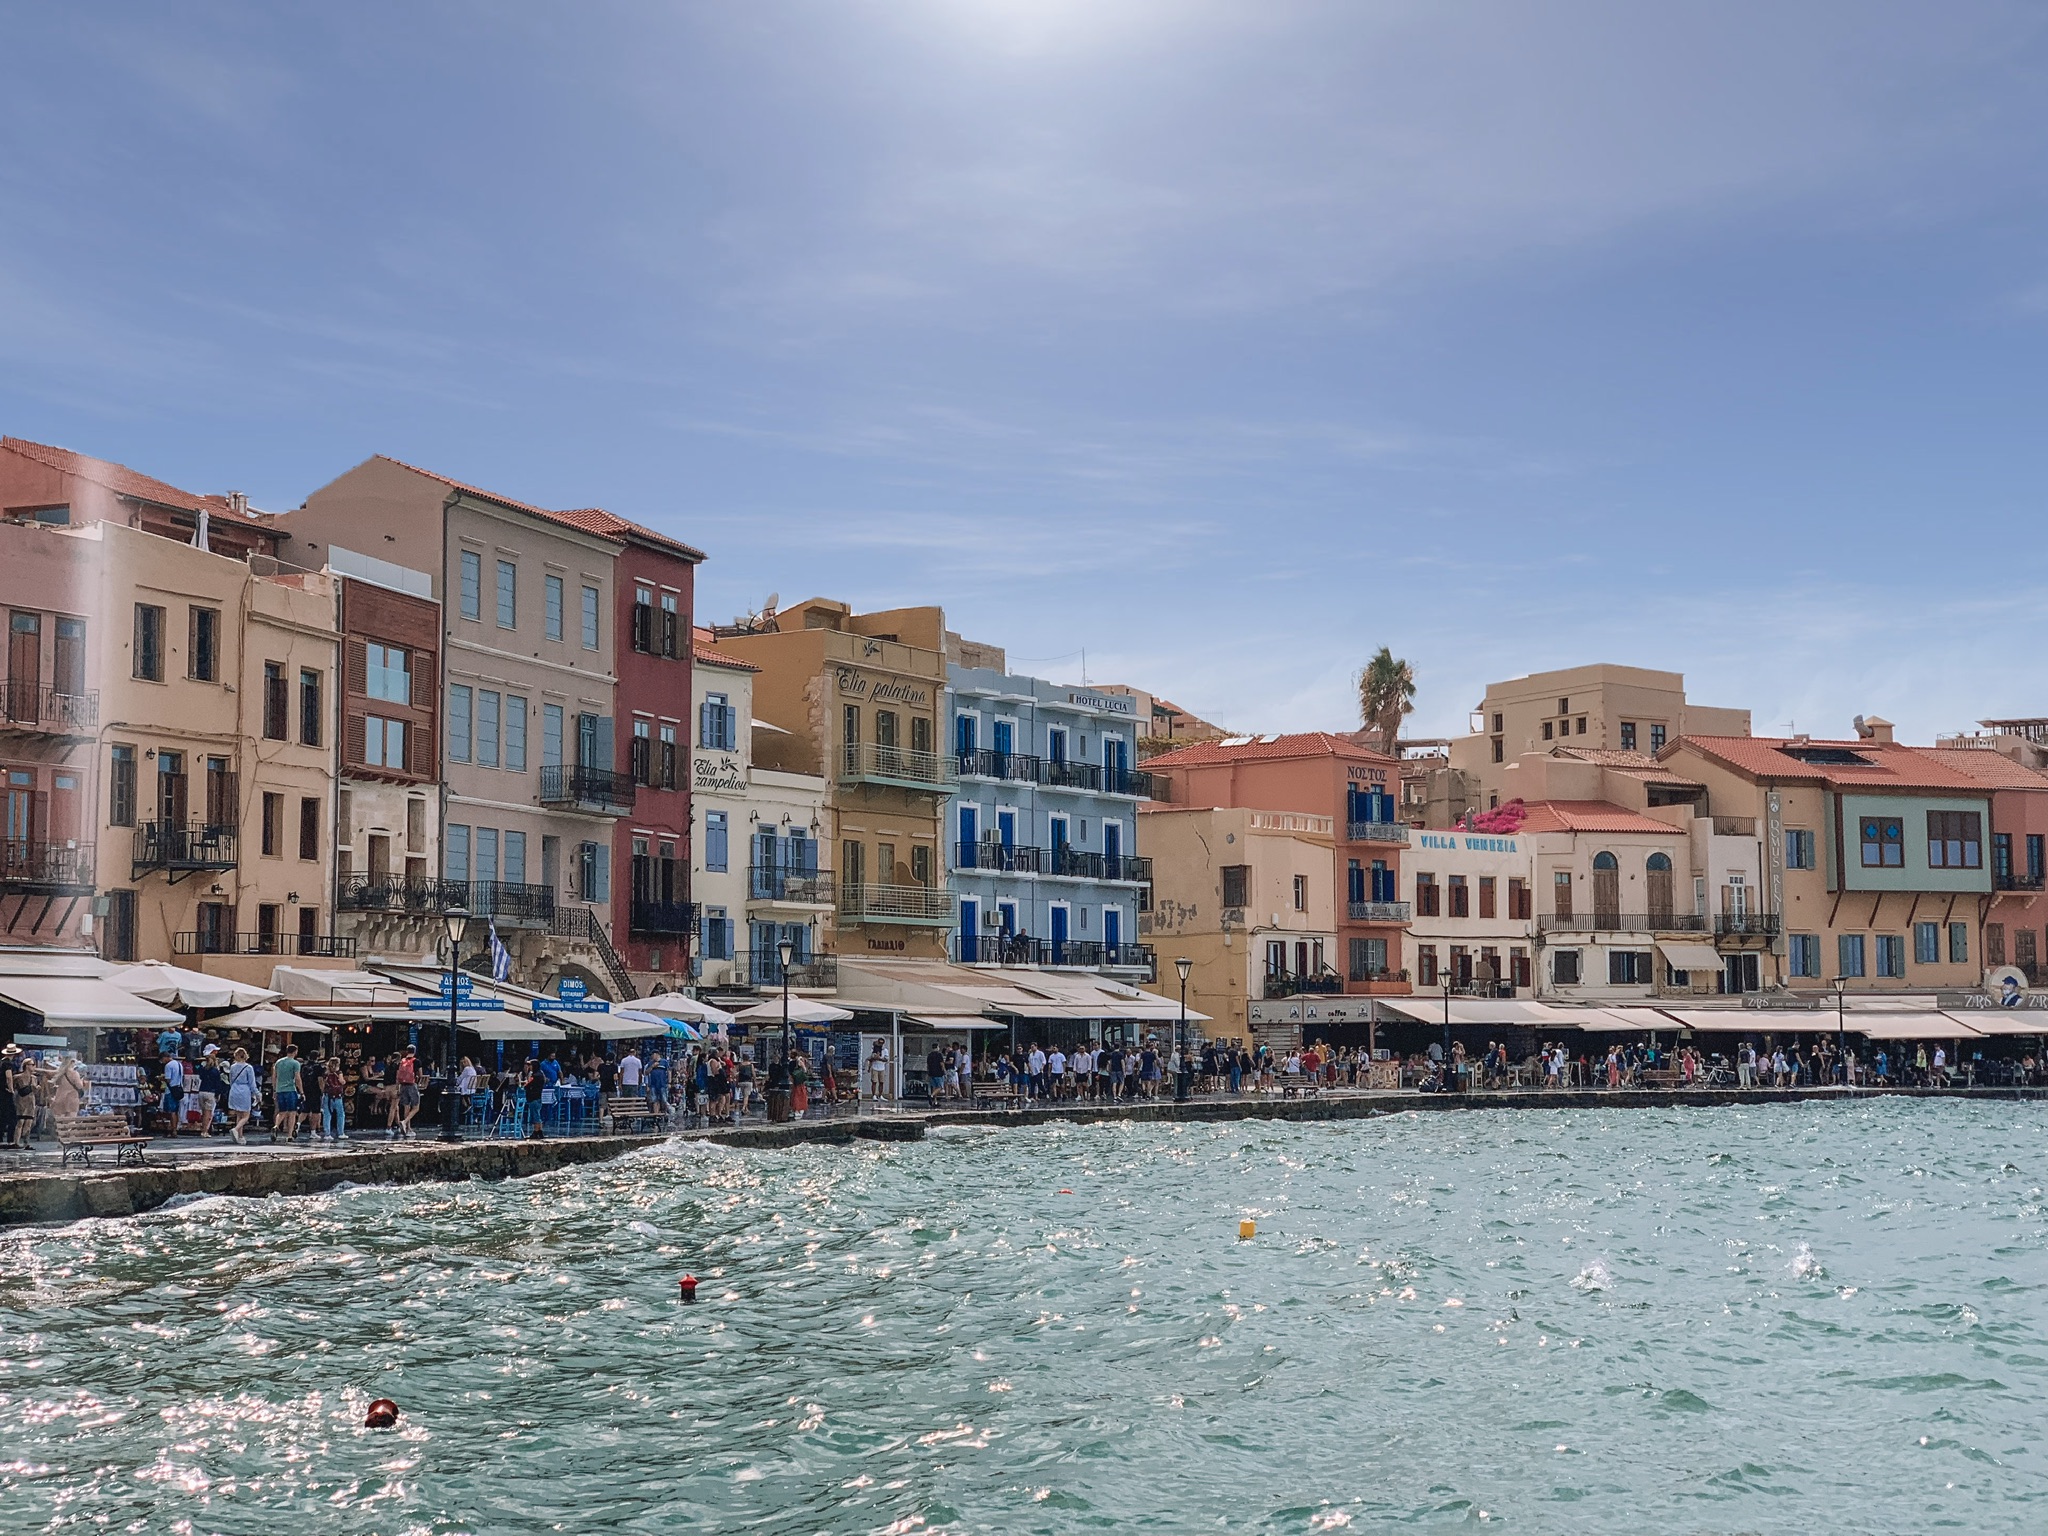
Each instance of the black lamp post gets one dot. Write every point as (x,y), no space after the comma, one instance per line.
(1841,986)
(1184,1080)
(456,921)
(1448,1077)
(786,951)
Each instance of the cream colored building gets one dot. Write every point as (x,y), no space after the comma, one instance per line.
(1605,707)
(762,839)
(1474,913)
(1248,897)
(216,771)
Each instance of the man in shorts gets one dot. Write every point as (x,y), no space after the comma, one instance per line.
(408,1103)
(284,1085)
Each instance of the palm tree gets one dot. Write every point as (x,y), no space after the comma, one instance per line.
(1386,695)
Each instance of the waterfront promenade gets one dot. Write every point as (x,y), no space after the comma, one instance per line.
(33,1188)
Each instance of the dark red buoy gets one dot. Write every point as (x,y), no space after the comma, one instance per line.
(382,1415)
(688,1286)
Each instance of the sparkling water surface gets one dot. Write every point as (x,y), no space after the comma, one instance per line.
(1802,1317)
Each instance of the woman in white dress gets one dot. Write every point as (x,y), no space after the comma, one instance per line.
(241,1094)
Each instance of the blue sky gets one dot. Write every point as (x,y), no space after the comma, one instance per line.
(1228,342)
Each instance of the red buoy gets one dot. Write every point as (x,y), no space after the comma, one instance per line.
(382,1415)
(688,1286)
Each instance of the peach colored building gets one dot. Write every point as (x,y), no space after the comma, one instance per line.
(1319,774)
(2016,919)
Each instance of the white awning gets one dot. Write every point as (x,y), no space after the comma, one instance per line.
(265,1017)
(2003,1022)
(1689,955)
(801,1010)
(953,1021)
(507,1026)
(1907,1026)
(612,1026)
(1742,1021)
(173,985)
(304,983)
(67,1002)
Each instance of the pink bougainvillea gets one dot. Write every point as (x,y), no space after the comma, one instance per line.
(1501,819)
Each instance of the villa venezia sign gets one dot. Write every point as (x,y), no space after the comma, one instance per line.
(1451,844)
(856,684)
(720,775)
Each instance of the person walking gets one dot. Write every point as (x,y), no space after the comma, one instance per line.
(174,1090)
(212,1089)
(241,1095)
(17,1078)
(334,1102)
(535,1083)
(407,1103)
(284,1087)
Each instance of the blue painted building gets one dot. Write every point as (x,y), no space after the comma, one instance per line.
(1042,830)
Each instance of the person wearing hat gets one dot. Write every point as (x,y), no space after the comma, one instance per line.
(12,1062)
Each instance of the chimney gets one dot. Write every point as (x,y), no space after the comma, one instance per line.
(238,503)
(1874,728)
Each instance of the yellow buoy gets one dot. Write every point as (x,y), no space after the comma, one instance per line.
(1246,1230)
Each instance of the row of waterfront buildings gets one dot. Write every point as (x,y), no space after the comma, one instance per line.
(234,737)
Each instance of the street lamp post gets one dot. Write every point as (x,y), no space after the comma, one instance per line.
(1841,985)
(1448,1079)
(456,921)
(786,951)
(1183,1082)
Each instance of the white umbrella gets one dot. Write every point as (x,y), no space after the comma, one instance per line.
(263,1016)
(802,1010)
(673,1005)
(157,982)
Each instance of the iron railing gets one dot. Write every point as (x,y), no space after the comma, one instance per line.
(179,850)
(1748,925)
(33,866)
(1378,911)
(324,946)
(594,789)
(1127,866)
(764,969)
(1376,832)
(1078,863)
(765,882)
(506,901)
(1628,922)
(895,904)
(2013,880)
(985,763)
(895,765)
(37,707)
(1006,858)
(1287,984)
(648,915)
(395,893)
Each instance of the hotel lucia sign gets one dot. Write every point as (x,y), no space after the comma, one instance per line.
(856,684)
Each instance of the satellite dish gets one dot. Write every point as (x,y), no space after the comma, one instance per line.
(2006,983)
(1859,725)
(775,600)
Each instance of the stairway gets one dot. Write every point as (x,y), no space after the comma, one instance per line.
(581,923)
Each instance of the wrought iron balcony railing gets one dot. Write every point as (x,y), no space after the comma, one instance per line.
(56,868)
(1627,922)
(870,762)
(1001,857)
(1127,781)
(325,946)
(1748,925)
(179,850)
(1070,775)
(1077,863)
(983,763)
(1376,832)
(2013,880)
(1378,911)
(647,915)
(767,883)
(895,904)
(591,789)
(1288,984)
(763,968)
(1126,866)
(33,706)
(395,893)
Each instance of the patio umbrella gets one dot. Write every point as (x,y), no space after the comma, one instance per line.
(802,1010)
(155,981)
(276,1020)
(673,1005)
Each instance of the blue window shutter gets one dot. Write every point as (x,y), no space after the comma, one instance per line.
(604,871)
(810,848)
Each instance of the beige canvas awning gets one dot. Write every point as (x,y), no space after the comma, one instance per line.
(1689,955)
(82,1002)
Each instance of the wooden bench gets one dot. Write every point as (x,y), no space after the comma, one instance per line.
(1660,1077)
(632,1108)
(77,1135)
(996,1096)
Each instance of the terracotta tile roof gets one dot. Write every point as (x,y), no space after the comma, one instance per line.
(1252,749)
(1882,765)
(1636,764)
(607,525)
(706,654)
(1993,770)
(123,481)
(1590,816)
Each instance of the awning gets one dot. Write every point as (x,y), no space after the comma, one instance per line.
(1742,1021)
(1684,955)
(801,1010)
(1907,1026)
(77,1002)
(612,1026)
(507,1026)
(2003,1022)
(265,1017)
(304,983)
(953,1021)
(673,1005)
(173,985)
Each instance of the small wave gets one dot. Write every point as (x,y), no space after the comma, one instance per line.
(1806,1267)
(1596,1276)
(950,1132)
(644,1228)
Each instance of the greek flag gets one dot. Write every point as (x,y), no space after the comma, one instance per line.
(501,957)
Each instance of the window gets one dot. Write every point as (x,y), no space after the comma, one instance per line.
(1561,893)
(666,768)
(515,858)
(718,724)
(309,707)
(1849,954)
(488,703)
(1564,967)
(1891,954)
(455,850)
(671,625)
(309,829)
(69,658)
(121,787)
(594,865)
(1301,893)
(551,603)
(590,600)
(508,595)
(551,735)
(643,619)
(1487,885)
(1237,885)
(149,642)
(1798,848)
(1461,897)
(1803,954)
(415,823)
(515,733)
(1564,706)
(1628,735)
(2035,840)
(202,651)
(1546,730)
(1884,844)
(1582,725)
(1518,899)
(1425,965)
(716,941)
(461,705)
(486,859)
(1428,895)
(273,824)
(472,584)
(715,856)
(387,673)
(1958,943)
(117,937)
(1994,943)
(276,702)
(1499,750)
(1657,738)
(1631,967)
(383,742)
(921,871)
(1955,840)
(1368,958)
(640,754)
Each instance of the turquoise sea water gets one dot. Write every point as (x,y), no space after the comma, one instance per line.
(1789,1318)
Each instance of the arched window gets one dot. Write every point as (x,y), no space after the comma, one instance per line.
(1605,861)
(1659,864)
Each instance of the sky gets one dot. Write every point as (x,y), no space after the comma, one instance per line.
(1223,343)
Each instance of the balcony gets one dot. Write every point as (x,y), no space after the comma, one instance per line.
(1126,781)
(1748,925)
(396,894)
(1021,949)
(1285,984)
(662,918)
(33,707)
(46,869)
(896,904)
(981,763)
(602,790)
(178,850)
(1069,775)
(323,946)
(1377,911)
(2010,880)
(867,762)
(1127,866)
(1000,857)
(1628,922)
(1377,832)
(793,887)
(763,968)
(517,906)
(1078,863)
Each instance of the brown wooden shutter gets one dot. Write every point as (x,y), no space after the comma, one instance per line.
(422,679)
(358,667)
(353,744)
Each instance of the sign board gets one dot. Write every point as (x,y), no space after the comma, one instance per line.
(464,984)
(571,990)
(1311,1010)
(573,1005)
(468,1004)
